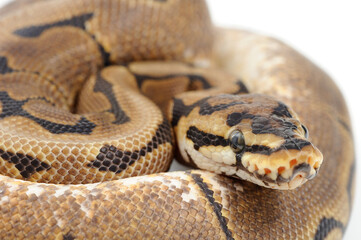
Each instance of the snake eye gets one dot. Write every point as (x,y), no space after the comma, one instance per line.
(236,141)
(305,130)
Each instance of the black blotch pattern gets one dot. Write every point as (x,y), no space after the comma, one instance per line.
(4,67)
(116,160)
(198,78)
(68,236)
(12,107)
(261,125)
(294,143)
(217,207)
(305,130)
(35,31)
(242,88)
(325,226)
(27,165)
(104,54)
(192,77)
(259,149)
(236,117)
(112,159)
(200,138)
(264,125)
(103,86)
(180,109)
(206,109)
(282,111)
(280,127)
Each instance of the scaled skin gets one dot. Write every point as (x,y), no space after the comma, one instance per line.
(180,205)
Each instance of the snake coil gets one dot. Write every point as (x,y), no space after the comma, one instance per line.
(96,92)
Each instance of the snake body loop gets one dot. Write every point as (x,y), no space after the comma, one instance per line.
(95,95)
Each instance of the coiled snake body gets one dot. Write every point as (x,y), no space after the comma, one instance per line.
(72,130)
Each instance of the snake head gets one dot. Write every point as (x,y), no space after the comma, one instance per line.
(252,137)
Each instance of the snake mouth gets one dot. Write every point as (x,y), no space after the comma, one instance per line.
(301,174)
(287,170)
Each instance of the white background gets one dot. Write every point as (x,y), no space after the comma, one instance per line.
(326,31)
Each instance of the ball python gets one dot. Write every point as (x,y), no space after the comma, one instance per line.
(95,93)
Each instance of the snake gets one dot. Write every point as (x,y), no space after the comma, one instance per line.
(97,97)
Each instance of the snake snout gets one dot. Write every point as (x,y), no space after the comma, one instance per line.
(305,168)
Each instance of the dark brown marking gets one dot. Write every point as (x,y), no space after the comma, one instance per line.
(200,138)
(236,117)
(4,67)
(282,111)
(27,165)
(305,130)
(105,55)
(116,160)
(106,88)
(291,143)
(242,88)
(264,125)
(325,226)
(207,109)
(180,109)
(68,236)
(217,207)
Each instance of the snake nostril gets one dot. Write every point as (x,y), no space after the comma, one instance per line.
(314,164)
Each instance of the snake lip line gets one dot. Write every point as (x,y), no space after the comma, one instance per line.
(301,172)
(292,182)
